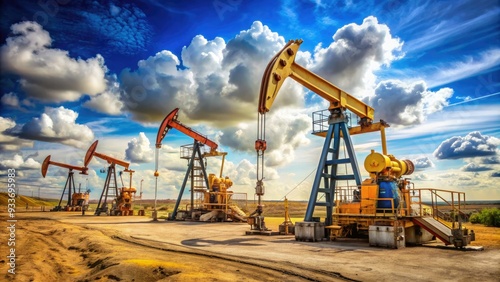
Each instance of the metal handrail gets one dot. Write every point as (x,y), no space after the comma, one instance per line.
(438,201)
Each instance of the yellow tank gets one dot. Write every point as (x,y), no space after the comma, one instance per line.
(220,183)
(228,182)
(129,190)
(211,179)
(218,191)
(376,162)
(79,199)
(387,164)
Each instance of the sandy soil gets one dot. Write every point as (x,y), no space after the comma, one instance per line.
(70,247)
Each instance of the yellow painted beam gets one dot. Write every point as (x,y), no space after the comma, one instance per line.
(283,65)
(336,96)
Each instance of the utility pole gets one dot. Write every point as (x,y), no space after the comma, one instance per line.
(140,195)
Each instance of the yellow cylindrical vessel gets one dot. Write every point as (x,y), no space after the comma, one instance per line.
(211,178)
(376,162)
(229,182)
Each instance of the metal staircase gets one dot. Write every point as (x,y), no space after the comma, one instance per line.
(459,237)
(436,228)
(431,217)
(237,213)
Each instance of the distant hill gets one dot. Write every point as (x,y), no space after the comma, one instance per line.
(21,201)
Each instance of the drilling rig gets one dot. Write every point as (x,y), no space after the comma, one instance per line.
(211,198)
(385,207)
(120,199)
(76,201)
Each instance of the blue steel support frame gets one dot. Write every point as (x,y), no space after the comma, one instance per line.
(327,170)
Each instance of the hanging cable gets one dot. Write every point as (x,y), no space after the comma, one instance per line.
(260,148)
(299,183)
(260,145)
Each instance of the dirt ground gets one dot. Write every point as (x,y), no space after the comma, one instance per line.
(66,246)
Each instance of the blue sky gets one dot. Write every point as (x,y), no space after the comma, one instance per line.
(77,71)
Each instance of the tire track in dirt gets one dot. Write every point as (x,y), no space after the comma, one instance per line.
(53,251)
(283,267)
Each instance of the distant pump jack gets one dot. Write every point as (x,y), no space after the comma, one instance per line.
(211,191)
(76,200)
(120,199)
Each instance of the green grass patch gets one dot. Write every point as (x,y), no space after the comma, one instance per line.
(488,217)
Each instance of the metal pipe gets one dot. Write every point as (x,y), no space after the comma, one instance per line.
(155,216)
(384,145)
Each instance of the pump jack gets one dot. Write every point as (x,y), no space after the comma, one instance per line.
(381,205)
(217,196)
(70,183)
(122,202)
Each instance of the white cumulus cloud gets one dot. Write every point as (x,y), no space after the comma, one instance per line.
(10,99)
(58,125)
(19,163)
(139,150)
(244,173)
(108,102)
(218,83)
(355,54)
(473,167)
(473,144)
(47,73)
(8,141)
(422,162)
(286,130)
(491,160)
(421,177)
(400,103)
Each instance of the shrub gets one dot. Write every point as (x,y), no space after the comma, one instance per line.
(475,218)
(488,217)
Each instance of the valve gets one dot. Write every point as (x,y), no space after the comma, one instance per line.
(260,145)
(259,188)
